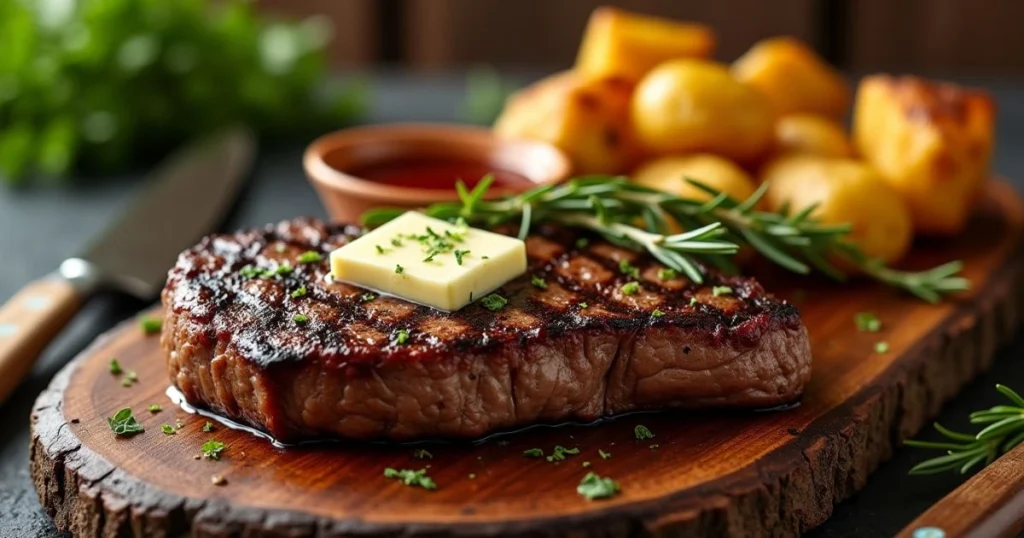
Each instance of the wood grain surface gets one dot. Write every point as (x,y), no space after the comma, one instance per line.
(704,473)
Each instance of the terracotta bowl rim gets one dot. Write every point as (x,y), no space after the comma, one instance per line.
(318,171)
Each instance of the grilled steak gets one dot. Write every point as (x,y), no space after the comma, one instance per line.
(578,350)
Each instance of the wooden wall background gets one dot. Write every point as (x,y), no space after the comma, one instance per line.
(945,36)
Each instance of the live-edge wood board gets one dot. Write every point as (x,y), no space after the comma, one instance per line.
(770,473)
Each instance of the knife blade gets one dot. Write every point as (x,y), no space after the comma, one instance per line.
(187,197)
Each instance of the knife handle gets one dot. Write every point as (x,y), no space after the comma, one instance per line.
(989,505)
(28,322)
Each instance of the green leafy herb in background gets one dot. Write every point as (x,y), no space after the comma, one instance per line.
(97,86)
(486,93)
(964,451)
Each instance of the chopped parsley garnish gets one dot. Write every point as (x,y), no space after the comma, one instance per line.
(396,241)
(882,347)
(641,432)
(130,378)
(212,449)
(533,453)
(867,322)
(604,455)
(401,337)
(167,429)
(123,423)
(430,257)
(630,288)
(459,254)
(301,292)
(594,487)
(560,451)
(494,302)
(282,269)
(178,424)
(300,318)
(422,454)
(208,427)
(693,301)
(538,282)
(399,269)
(653,447)
(155,408)
(380,249)
(249,271)
(367,297)
(582,242)
(310,256)
(666,273)
(126,383)
(586,464)
(115,367)
(151,325)
(411,478)
(718,291)
(657,313)
(628,269)
(583,305)
(485,257)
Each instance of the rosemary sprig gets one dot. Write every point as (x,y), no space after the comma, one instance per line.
(1005,431)
(612,206)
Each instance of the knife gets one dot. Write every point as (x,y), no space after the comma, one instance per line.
(989,505)
(187,198)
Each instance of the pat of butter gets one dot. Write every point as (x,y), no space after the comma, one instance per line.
(467,263)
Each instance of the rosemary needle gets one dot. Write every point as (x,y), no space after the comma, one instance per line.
(612,206)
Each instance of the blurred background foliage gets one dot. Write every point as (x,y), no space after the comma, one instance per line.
(99,86)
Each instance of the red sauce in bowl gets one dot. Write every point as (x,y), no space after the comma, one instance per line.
(436,174)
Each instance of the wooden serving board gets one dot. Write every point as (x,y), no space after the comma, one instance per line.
(747,474)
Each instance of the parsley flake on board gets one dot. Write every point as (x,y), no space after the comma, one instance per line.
(595,487)
(867,322)
(123,423)
(642,432)
(155,408)
(559,453)
(494,302)
(151,325)
(212,449)
(538,282)
(411,478)
(533,453)
(882,347)
(604,455)
(115,367)
(422,454)
(208,427)
(630,288)
(168,429)
(310,256)
(719,291)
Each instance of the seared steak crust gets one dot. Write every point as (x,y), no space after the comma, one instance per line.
(579,349)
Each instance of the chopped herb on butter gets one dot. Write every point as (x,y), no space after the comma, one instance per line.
(630,288)
(867,322)
(380,249)
(310,256)
(396,241)
(629,269)
(538,282)
(666,273)
(301,292)
(494,302)
(718,291)
(399,269)
(459,254)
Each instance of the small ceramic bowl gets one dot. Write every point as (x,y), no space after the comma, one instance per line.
(335,161)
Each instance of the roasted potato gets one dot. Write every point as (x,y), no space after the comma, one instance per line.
(685,106)
(811,134)
(846,190)
(619,44)
(669,174)
(931,141)
(794,78)
(587,120)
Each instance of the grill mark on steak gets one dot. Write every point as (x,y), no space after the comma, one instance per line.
(233,345)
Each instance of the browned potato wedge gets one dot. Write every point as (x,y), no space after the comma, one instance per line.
(811,134)
(685,106)
(587,120)
(627,45)
(931,141)
(846,190)
(794,78)
(669,174)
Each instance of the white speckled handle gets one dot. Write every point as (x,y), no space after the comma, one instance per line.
(28,322)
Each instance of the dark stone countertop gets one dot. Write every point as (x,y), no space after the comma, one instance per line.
(39,228)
